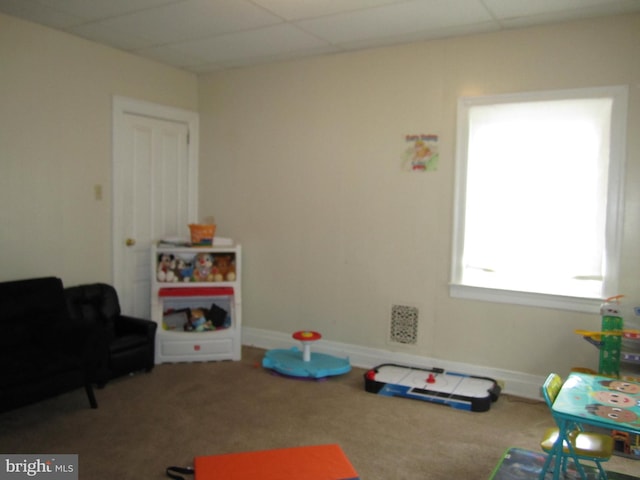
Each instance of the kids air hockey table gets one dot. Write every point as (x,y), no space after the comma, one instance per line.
(457,390)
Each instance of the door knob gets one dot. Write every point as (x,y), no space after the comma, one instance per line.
(130,242)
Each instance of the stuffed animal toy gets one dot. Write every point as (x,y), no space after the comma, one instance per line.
(166,266)
(218,316)
(198,321)
(226,268)
(183,270)
(203,268)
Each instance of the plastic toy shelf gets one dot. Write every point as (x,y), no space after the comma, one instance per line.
(194,291)
(196,299)
(629,350)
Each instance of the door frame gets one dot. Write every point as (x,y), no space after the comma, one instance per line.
(121,107)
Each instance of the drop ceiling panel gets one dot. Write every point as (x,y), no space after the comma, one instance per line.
(299,9)
(38,13)
(205,35)
(505,9)
(589,8)
(110,36)
(192,19)
(270,41)
(396,20)
(99,9)
(172,56)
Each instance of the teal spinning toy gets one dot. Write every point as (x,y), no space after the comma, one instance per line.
(305,364)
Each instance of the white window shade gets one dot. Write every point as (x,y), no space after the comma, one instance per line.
(538,193)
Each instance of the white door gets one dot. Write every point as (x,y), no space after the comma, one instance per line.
(154,191)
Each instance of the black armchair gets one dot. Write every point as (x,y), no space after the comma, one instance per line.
(128,343)
(43,353)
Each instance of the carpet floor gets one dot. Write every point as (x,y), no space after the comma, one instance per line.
(147,422)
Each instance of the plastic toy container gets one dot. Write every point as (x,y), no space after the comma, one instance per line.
(202,235)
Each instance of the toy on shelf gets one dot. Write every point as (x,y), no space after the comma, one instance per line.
(294,363)
(611,339)
(202,234)
(596,337)
(225,268)
(192,266)
(618,341)
(204,268)
(166,266)
(626,444)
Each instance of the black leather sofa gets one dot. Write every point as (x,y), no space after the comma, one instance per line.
(127,343)
(43,351)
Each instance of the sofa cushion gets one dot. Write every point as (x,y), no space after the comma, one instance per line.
(97,302)
(43,352)
(28,364)
(128,342)
(30,310)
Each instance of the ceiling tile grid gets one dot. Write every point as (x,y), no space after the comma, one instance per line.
(209,35)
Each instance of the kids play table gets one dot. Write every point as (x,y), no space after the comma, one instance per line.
(602,402)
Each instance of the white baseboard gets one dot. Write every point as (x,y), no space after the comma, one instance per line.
(512,383)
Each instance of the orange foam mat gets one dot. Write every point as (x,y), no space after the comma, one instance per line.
(321,462)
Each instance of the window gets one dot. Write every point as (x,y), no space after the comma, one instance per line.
(539,197)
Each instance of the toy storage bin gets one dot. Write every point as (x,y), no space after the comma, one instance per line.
(173,301)
(176,311)
(202,235)
(177,304)
(202,340)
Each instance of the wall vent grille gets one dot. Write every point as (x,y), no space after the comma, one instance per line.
(404,324)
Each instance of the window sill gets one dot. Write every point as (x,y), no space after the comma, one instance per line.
(558,302)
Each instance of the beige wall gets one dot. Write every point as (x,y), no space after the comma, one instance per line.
(301,162)
(55,146)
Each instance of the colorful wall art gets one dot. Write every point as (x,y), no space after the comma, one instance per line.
(421,153)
